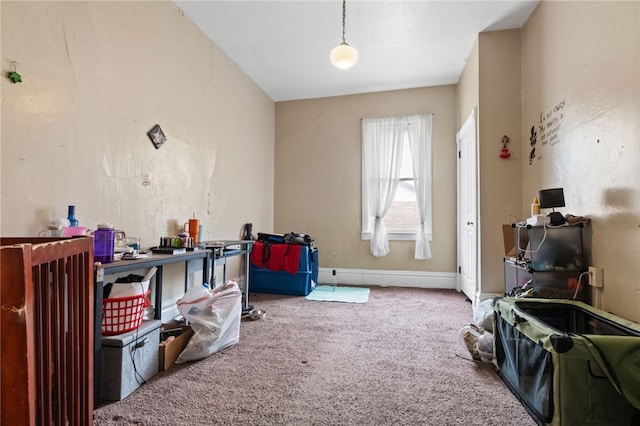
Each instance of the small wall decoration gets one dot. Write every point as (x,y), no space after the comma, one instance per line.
(157,136)
(532,142)
(504,152)
(13,74)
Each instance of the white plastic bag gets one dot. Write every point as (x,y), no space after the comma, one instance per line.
(483,314)
(215,320)
(195,292)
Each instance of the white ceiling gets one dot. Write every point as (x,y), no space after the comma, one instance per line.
(284,45)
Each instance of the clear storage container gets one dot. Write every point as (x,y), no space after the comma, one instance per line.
(556,248)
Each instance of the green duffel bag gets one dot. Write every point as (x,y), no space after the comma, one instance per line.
(567,362)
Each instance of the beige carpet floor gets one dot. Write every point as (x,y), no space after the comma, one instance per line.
(395,360)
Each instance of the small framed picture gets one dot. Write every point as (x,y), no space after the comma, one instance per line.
(157,136)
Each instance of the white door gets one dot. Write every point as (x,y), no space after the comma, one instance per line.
(468,209)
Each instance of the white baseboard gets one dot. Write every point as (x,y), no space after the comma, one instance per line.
(440,280)
(361,277)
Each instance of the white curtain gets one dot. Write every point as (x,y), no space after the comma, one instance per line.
(381,160)
(419,135)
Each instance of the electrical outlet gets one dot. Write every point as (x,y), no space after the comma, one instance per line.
(596,276)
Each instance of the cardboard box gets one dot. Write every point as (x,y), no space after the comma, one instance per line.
(169,351)
(512,233)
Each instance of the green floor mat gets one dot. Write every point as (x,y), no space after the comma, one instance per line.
(329,293)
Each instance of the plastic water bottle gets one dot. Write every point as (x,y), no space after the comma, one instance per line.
(71,217)
(104,243)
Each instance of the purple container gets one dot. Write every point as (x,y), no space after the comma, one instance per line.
(104,243)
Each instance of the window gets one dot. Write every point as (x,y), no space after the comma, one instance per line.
(402,218)
(396,182)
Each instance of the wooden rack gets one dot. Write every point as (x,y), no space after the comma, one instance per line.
(47,323)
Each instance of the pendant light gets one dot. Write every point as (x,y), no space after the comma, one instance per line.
(343,56)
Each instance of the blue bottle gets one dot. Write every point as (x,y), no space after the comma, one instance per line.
(71,217)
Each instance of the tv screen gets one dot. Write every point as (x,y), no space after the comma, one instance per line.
(551,198)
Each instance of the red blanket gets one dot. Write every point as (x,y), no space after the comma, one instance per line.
(279,257)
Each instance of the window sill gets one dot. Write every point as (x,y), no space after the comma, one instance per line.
(392,236)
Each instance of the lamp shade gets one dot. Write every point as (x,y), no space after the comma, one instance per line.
(343,56)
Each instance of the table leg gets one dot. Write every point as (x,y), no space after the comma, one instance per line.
(205,270)
(246,281)
(158,299)
(98,291)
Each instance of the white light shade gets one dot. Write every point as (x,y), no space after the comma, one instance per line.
(344,56)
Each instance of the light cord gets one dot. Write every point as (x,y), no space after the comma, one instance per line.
(344,13)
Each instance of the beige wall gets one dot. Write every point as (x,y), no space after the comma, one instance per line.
(468,88)
(96,77)
(490,82)
(318,176)
(499,113)
(581,64)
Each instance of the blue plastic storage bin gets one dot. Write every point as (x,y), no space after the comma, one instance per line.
(314,265)
(262,280)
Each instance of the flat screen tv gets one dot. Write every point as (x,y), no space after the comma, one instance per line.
(551,198)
